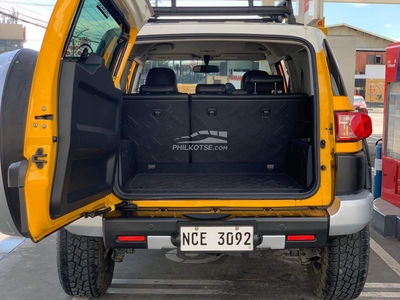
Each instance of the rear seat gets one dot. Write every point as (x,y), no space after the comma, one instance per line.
(160,80)
(155,117)
(259,125)
(255,127)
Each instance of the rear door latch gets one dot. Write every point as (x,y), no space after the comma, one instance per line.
(36,158)
(103,210)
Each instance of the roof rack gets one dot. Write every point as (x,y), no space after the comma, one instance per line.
(283,10)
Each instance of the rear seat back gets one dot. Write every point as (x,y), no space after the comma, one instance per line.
(259,124)
(259,128)
(160,80)
(213,126)
(155,117)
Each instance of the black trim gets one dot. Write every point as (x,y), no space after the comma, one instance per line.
(318,226)
(283,10)
(18,68)
(334,70)
(116,14)
(221,11)
(119,53)
(368,179)
(261,20)
(352,170)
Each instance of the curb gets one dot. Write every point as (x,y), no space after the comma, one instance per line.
(386,218)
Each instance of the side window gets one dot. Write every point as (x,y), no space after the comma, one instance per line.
(96,30)
(338,87)
(282,70)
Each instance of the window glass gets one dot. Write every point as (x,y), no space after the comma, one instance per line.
(338,87)
(392,144)
(95,30)
(229,71)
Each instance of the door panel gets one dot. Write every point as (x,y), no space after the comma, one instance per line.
(89,124)
(64,166)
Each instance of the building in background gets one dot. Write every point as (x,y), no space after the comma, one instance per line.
(12,35)
(370,61)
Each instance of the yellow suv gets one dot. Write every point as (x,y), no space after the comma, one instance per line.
(206,135)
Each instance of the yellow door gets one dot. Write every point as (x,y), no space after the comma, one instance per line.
(68,145)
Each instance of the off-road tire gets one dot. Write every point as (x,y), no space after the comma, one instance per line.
(343,268)
(85,267)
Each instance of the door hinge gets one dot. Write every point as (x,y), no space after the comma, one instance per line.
(104,210)
(123,38)
(330,128)
(36,158)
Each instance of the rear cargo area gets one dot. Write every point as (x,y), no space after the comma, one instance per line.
(215,145)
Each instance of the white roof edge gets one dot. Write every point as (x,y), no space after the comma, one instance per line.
(168,29)
(311,34)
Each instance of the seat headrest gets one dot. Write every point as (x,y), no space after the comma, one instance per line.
(210,89)
(157,89)
(269,84)
(249,74)
(161,76)
(239,92)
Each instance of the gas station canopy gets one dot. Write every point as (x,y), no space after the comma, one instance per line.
(366,1)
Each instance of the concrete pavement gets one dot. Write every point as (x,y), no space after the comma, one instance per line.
(30,272)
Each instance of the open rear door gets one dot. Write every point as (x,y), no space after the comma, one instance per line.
(62,164)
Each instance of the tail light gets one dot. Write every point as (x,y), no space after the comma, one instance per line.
(352,126)
(131,238)
(301,237)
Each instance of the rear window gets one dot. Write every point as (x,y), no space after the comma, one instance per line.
(96,30)
(229,72)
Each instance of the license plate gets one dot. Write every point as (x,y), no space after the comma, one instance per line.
(217,238)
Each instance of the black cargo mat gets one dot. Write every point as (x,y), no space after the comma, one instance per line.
(210,183)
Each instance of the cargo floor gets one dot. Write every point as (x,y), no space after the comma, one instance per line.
(210,183)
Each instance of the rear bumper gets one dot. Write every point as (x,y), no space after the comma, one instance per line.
(350,213)
(162,233)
